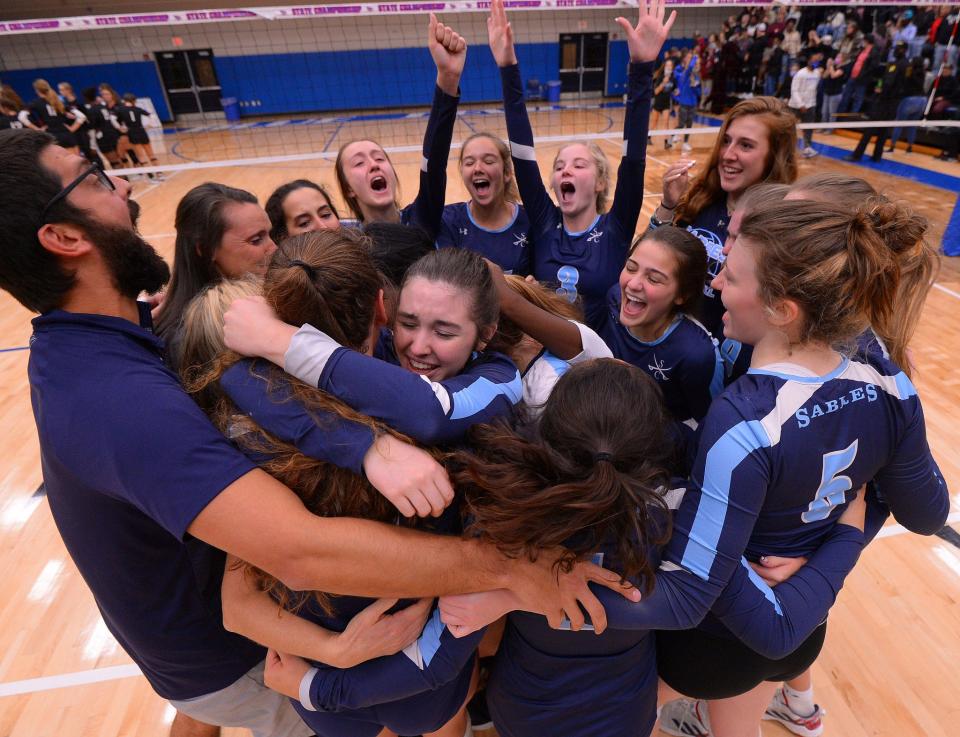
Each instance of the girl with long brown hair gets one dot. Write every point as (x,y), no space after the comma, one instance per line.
(329,279)
(492,222)
(596,481)
(365,174)
(756,143)
(47,112)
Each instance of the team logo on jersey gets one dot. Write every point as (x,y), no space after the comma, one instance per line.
(568,276)
(805,415)
(715,258)
(520,240)
(595,236)
(464,231)
(658,370)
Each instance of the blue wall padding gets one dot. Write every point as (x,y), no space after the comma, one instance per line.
(333,80)
(139,77)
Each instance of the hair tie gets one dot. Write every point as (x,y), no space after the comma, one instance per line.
(311,274)
(602,456)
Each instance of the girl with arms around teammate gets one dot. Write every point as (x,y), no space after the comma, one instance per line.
(783,447)
(492,222)
(323,277)
(577,247)
(366,177)
(595,481)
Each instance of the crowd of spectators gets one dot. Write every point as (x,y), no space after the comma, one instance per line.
(834,64)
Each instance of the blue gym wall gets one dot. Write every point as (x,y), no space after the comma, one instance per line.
(304,82)
(139,77)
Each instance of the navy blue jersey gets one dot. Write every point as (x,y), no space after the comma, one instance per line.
(710,226)
(780,454)
(434,412)
(426,210)
(129,461)
(587,263)
(132,119)
(106,127)
(10,121)
(506,247)
(684,361)
(261,392)
(46,116)
(417,690)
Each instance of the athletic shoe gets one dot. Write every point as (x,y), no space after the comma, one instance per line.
(685,718)
(667,143)
(686,148)
(780,711)
(478,712)
(809,153)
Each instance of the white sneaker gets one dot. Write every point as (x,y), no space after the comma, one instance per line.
(685,718)
(686,148)
(780,711)
(809,153)
(675,139)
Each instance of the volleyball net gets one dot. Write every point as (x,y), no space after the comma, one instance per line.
(293,83)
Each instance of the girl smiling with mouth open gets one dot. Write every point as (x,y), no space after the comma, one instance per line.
(366,177)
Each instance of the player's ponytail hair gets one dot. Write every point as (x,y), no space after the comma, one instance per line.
(43,89)
(325,278)
(595,478)
(904,232)
(834,264)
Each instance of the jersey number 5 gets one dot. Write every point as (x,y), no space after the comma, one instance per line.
(834,485)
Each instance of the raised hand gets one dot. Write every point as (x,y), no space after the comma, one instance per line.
(500,35)
(646,38)
(449,52)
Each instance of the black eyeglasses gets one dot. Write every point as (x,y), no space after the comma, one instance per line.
(96,170)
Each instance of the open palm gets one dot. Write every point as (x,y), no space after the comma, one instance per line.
(646,38)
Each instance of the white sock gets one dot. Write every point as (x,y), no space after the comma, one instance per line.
(801,702)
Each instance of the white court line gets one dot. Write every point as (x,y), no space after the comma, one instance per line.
(894,530)
(116,672)
(945,289)
(65,680)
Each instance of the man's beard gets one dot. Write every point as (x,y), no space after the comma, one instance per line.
(134,265)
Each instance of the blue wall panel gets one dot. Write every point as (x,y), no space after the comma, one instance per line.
(138,77)
(363,79)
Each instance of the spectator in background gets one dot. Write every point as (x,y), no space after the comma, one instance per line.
(834,78)
(863,77)
(889,92)
(775,66)
(906,30)
(754,57)
(803,99)
(946,106)
(852,41)
(687,80)
(791,39)
(913,104)
(941,38)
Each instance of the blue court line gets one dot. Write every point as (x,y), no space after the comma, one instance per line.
(12,350)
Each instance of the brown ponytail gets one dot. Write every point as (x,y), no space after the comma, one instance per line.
(835,265)
(42,87)
(594,478)
(904,233)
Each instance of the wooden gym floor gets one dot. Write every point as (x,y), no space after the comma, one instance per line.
(889,665)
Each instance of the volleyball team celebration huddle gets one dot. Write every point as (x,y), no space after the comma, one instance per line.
(342,477)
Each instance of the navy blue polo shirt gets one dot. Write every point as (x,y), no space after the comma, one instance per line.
(128,462)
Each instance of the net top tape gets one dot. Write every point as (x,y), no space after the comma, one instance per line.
(300,12)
